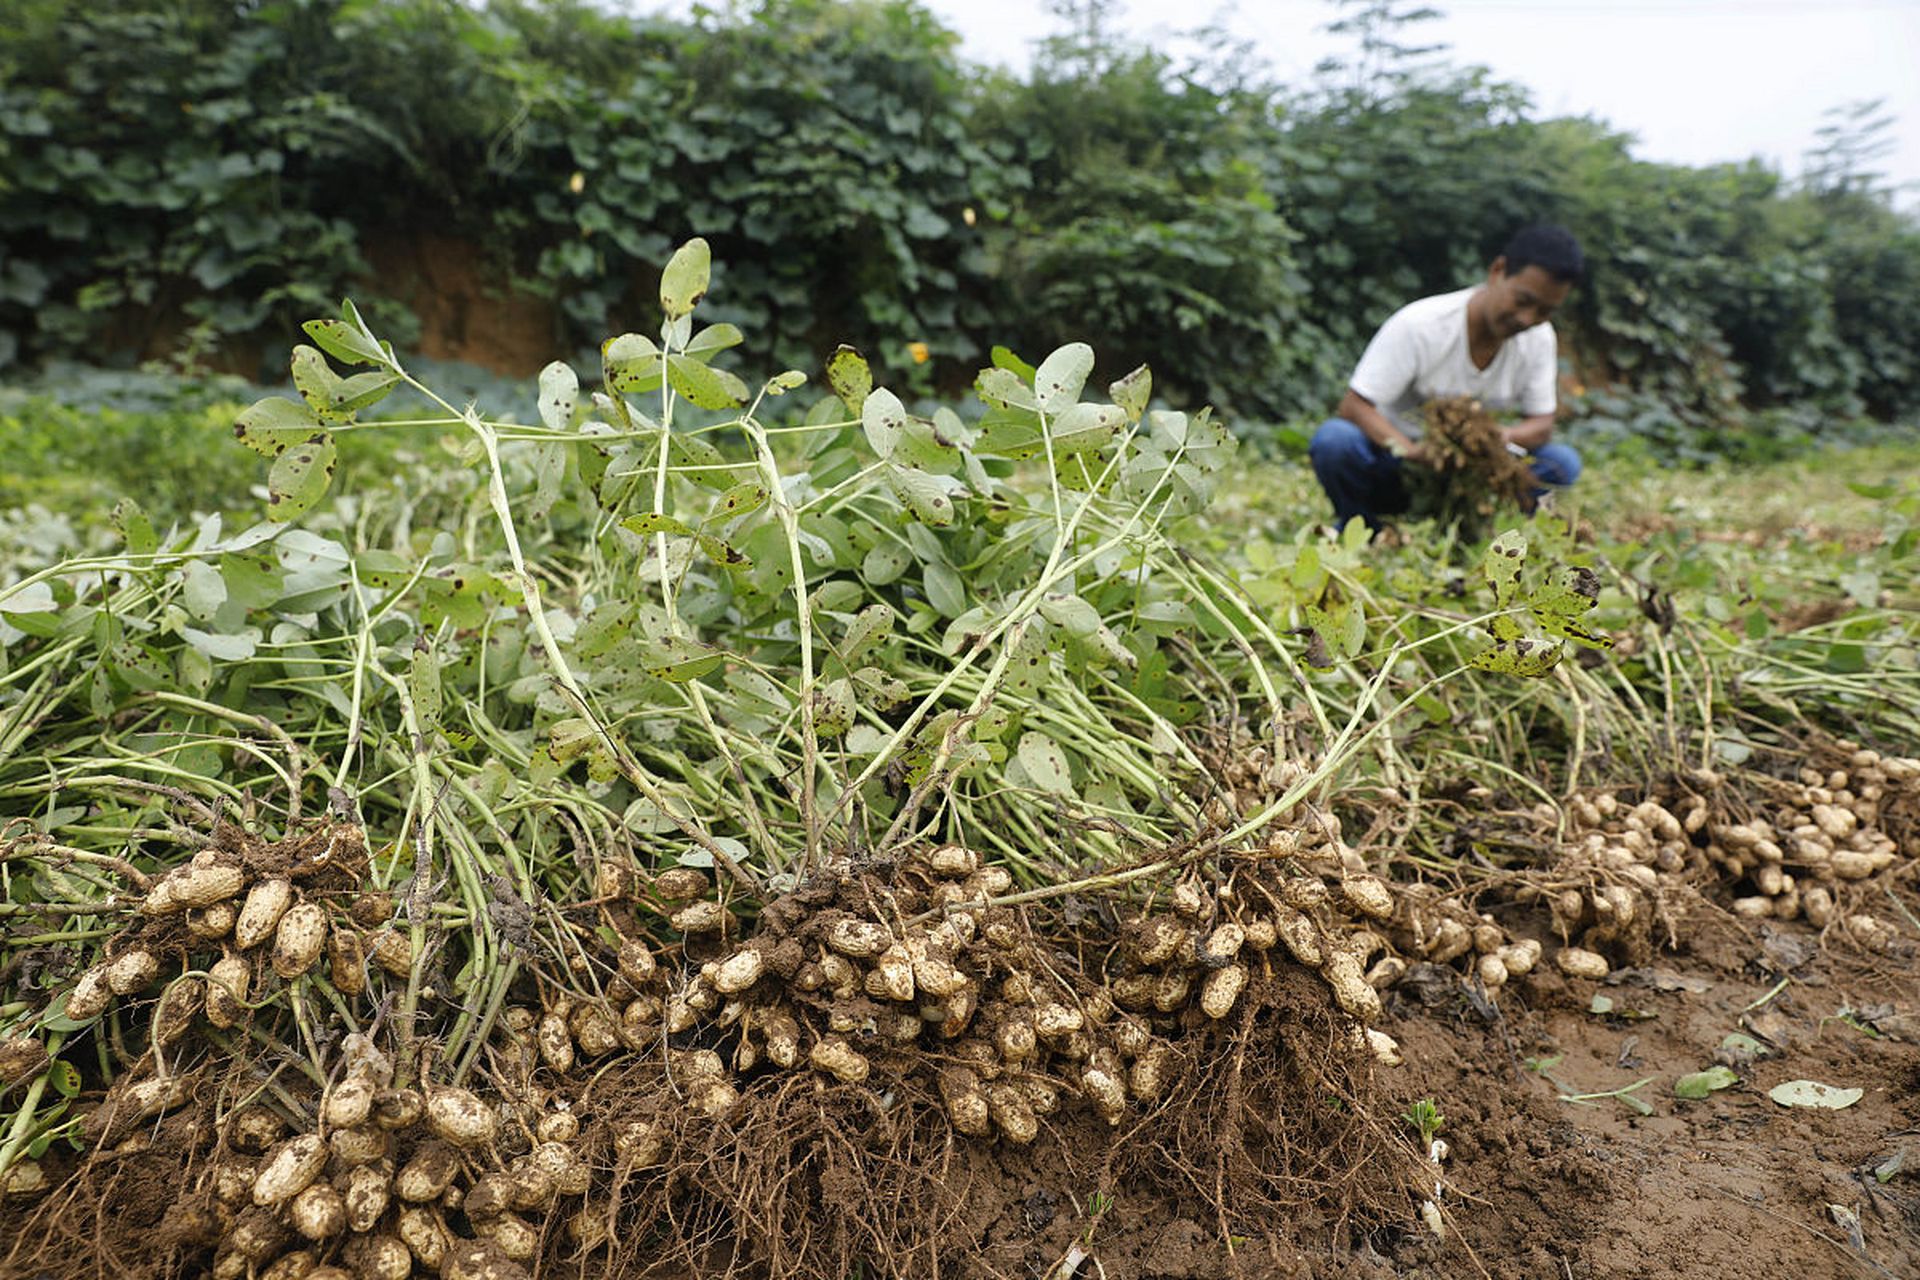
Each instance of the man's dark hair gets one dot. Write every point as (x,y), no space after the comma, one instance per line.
(1550,248)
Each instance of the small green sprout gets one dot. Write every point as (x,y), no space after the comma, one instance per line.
(1425,1119)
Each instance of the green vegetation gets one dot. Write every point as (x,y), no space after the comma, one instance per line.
(178,182)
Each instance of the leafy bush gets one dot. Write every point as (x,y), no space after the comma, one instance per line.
(182,180)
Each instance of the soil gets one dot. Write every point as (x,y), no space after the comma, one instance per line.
(1729,1186)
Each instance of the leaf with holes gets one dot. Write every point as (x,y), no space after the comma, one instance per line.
(850,378)
(1071,613)
(648,523)
(1027,666)
(1521,656)
(362,391)
(871,626)
(315,380)
(269,427)
(345,342)
(677,660)
(886,689)
(1563,599)
(136,530)
(1811,1093)
(630,364)
(885,563)
(925,495)
(1505,557)
(833,708)
(1133,392)
(740,500)
(300,477)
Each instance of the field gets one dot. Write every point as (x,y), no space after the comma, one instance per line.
(695,828)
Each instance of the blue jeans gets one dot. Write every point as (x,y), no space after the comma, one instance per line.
(1363,478)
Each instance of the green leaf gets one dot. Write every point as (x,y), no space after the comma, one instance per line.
(850,378)
(883,417)
(869,627)
(220,647)
(714,339)
(885,563)
(135,528)
(1133,392)
(1005,389)
(1506,555)
(344,341)
(1700,1084)
(684,282)
(1878,492)
(300,477)
(1058,381)
(423,686)
(315,380)
(559,394)
(1044,762)
(630,363)
(706,386)
(1520,656)
(945,591)
(678,660)
(923,494)
(361,391)
(1072,614)
(65,1078)
(833,708)
(740,500)
(270,427)
(648,523)
(1811,1093)
(203,590)
(1083,427)
(1003,358)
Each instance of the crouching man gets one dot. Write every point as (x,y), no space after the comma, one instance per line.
(1491,342)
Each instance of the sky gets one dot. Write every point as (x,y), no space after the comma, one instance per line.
(1697,81)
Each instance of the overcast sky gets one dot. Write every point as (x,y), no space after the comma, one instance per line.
(1698,81)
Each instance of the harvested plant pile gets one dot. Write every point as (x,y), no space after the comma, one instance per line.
(791,1095)
(1467,471)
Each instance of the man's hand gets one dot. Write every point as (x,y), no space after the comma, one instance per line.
(1377,427)
(1531,433)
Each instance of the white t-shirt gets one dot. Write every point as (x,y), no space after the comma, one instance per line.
(1420,354)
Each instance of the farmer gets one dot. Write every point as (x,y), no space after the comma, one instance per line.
(1491,342)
